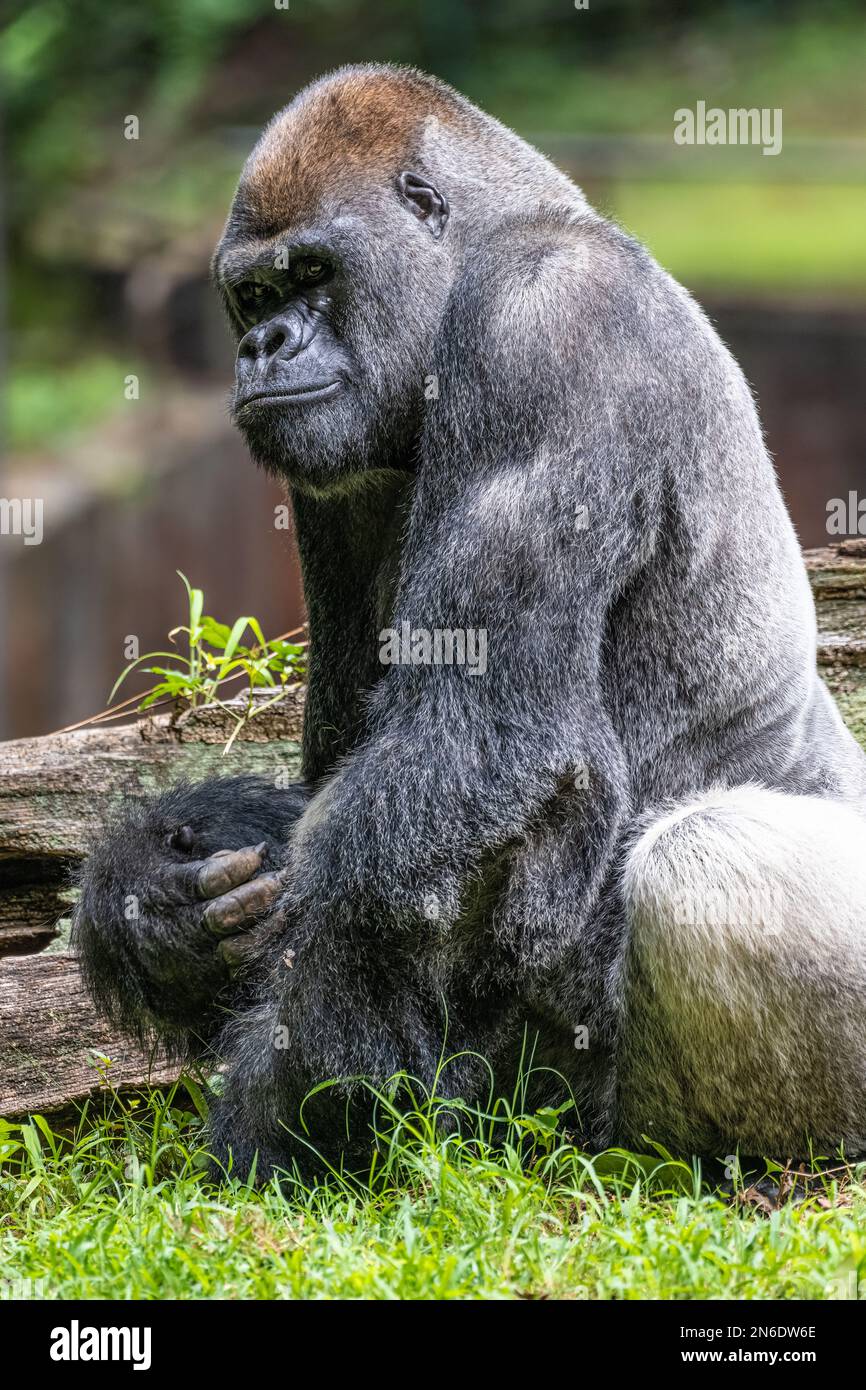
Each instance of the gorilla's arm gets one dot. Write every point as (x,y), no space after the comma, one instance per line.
(535,495)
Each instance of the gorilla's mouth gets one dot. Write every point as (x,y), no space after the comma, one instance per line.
(298,397)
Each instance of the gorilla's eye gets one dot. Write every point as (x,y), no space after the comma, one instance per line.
(310,270)
(253,296)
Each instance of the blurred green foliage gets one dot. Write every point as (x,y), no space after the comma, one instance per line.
(202,76)
(71,72)
(59,404)
(763,238)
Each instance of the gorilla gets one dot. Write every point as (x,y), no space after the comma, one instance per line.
(632,840)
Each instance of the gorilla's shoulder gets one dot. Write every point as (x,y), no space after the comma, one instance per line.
(563,269)
(551,235)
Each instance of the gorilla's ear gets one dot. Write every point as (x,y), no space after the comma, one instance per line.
(424,201)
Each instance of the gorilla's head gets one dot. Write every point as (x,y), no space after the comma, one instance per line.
(354,213)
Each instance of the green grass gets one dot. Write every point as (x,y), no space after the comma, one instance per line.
(125,1210)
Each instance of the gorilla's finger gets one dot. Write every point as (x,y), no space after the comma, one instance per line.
(223,871)
(238,951)
(232,912)
(182,838)
(219,873)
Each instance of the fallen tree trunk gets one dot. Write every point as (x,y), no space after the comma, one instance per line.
(54,1048)
(55,793)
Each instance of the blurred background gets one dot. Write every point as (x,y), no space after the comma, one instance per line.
(107,240)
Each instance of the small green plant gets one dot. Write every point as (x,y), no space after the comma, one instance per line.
(215,657)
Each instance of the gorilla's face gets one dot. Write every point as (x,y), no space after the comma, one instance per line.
(336,319)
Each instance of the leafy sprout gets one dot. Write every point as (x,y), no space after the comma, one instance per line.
(215,657)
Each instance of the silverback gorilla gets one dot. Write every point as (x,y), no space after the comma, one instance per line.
(640,829)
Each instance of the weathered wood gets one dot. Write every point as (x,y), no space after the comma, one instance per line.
(22,939)
(837,571)
(54,1049)
(56,791)
(35,895)
(838,576)
(54,794)
(842,633)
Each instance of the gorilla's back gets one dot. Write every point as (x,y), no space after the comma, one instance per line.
(710,671)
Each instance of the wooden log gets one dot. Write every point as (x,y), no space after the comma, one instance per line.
(838,571)
(54,794)
(35,896)
(56,791)
(54,1049)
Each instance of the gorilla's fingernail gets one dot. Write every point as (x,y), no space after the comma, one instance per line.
(183,838)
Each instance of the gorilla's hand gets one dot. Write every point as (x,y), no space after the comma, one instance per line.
(225,893)
(229,882)
(233,889)
(168,898)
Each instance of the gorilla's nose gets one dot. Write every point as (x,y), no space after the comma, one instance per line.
(283,334)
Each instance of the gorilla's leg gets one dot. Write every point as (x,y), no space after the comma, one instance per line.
(162,893)
(746,993)
(348,1009)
